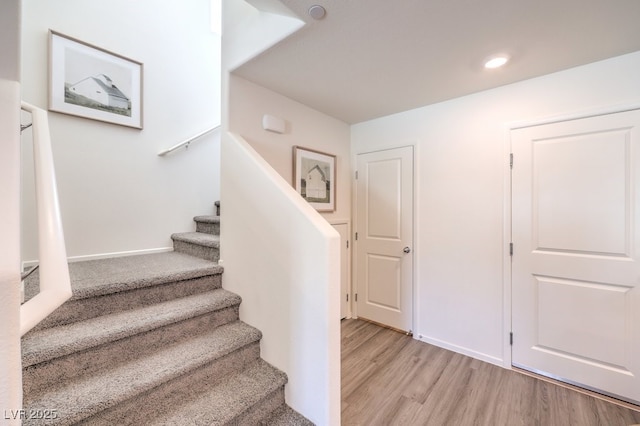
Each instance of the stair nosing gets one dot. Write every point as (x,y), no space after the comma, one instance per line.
(109,328)
(198,238)
(104,390)
(207,219)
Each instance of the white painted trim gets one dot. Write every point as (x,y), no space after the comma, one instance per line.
(416,232)
(354,229)
(576,115)
(339,221)
(506,257)
(30,263)
(349,264)
(460,349)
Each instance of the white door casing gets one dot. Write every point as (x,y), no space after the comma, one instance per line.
(384,244)
(576,241)
(345,287)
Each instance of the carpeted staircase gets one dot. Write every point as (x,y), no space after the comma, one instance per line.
(151,340)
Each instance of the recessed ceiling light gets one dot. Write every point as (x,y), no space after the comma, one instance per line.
(496,61)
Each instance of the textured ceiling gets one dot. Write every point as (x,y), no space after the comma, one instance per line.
(371,58)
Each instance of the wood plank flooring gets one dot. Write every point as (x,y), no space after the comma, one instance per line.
(391,379)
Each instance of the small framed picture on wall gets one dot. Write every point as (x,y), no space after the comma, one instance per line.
(91,82)
(314,177)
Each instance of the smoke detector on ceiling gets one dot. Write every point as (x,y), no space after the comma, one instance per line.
(317,11)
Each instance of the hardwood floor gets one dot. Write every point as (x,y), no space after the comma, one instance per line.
(391,379)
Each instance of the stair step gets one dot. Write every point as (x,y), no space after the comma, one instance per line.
(60,353)
(199,244)
(208,224)
(244,398)
(286,416)
(85,396)
(153,340)
(44,345)
(93,278)
(164,400)
(109,285)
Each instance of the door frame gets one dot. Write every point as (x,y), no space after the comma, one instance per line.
(507,207)
(414,145)
(349,264)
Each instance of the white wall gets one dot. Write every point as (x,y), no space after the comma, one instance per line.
(116,194)
(306,127)
(250,29)
(272,250)
(283,259)
(460,193)
(10,362)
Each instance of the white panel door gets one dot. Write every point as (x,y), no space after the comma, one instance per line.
(343,230)
(575,266)
(384,242)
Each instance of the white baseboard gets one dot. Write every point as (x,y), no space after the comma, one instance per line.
(461,350)
(30,263)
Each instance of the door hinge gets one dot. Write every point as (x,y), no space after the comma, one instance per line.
(356,175)
(510,249)
(511,161)
(511,338)
(347,297)
(355,297)
(356,236)
(347,243)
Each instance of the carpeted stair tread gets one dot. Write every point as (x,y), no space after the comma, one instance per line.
(198,238)
(104,276)
(208,224)
(224,403)
(43,345)
(154,340)
(85,396)
(286,416)
(207,219)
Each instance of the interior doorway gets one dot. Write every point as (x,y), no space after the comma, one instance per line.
(576,252)
(384,237)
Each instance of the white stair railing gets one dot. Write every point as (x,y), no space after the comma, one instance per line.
(187,142)
(55,284)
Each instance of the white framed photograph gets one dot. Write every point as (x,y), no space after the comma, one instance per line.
(91,82)
(314,177)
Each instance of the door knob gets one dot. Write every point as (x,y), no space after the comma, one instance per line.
(406,250)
